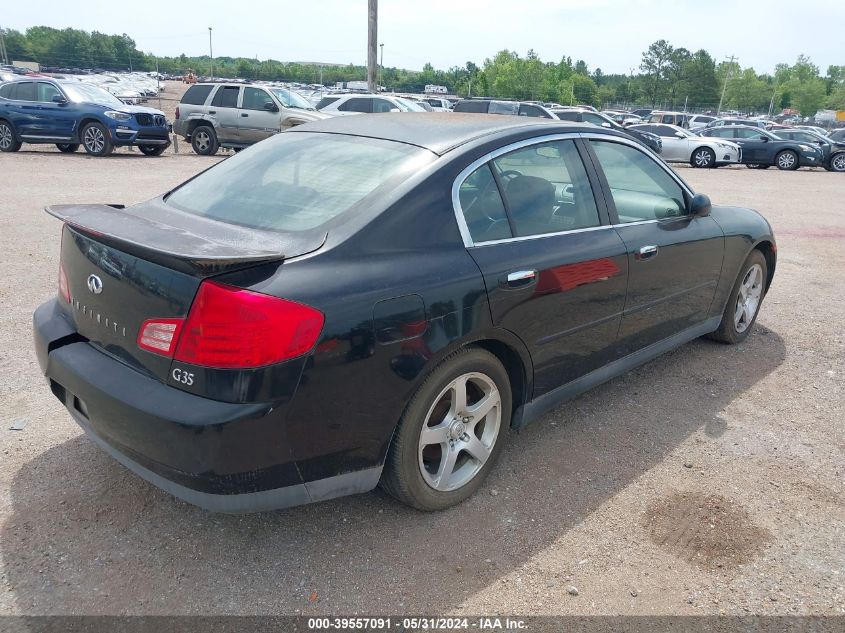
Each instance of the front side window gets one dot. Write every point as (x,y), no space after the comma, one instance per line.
(482,207)
(595,119)
(46,92)
(724,132)
(749,133)
(6,91)
(326,101)
(355,105)
(641,188)
(286,183)
(383,105)
(226,97)
(568,116)
(546,189)
(255,98)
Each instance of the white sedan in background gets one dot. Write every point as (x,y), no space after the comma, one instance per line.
(681,146)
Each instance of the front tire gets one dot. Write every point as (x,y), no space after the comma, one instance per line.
(703,158)
(837,163)
(451,433)
(152,150)
(204,141)
(95,139)
(744,302)
(67,148)
(8,142)
(787,160)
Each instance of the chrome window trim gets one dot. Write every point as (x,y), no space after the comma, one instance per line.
(539,140)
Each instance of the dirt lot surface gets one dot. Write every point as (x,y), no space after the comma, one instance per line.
(709,481)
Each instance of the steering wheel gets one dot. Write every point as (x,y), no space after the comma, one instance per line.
(510,173)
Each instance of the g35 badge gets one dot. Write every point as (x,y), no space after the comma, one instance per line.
(182,376)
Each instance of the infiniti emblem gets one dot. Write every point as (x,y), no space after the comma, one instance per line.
(95,284)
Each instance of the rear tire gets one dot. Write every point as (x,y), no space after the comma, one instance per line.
(95,139)
(744,302)
(67,148)
(703,157)
(8,142)
(444,446)
(787,160)
(152,150)
(204,140)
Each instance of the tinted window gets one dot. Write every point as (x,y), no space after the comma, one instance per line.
(6,91)
(355,105)
(703,119)
(748,133)
(46,92)
(595,119)
(286,183)
(383,105)
(724,132)
(326,101)
(665,130)
(503,107)
(482,207)
(196,95)
(226,97)
(641,189)
(547,189)
(26,91)
(530,110)
(472,106)
(568,116)
(255,98)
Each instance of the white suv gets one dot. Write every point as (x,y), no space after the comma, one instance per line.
(344,104)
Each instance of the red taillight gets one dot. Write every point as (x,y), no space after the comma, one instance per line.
(64,289)
(160,335)
(232,328)
(177,112)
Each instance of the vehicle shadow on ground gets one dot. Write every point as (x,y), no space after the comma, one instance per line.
(87,536)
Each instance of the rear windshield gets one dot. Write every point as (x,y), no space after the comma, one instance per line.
(295,181)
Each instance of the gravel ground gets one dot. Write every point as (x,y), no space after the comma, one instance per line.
(707,482)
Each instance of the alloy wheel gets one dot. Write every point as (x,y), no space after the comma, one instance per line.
(203,141)
(6,138)
(748,298)
(94,139)
(460,431)
(702,158)
(838,162)
(786,160)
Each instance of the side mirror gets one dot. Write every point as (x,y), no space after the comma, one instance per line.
(59,99)
(270,106)
(700,206)
(606,124)
(764,138)
(680,134)
(395,110)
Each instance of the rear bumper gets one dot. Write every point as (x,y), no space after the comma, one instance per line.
(223,457)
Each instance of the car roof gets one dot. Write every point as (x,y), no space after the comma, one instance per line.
(435,131)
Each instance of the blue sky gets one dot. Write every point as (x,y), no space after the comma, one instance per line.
(610,34)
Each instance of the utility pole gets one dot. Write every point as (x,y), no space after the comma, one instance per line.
(372,40)
(724,87)
(380,66)
(3,54)
(211,53)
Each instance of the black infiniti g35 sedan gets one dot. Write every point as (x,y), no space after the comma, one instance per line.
(379,299)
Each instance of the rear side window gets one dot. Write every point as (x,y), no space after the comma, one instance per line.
(481,204)
(26,91)
(286,183)
(7,91)
(226,97)
(546,189)
(568,116)
(472,106)
(355,105)
(326,101)
(641,188)
(196,95)
(503,107)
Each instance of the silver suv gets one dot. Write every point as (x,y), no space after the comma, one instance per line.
(237,115)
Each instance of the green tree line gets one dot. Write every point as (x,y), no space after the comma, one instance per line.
(666,76)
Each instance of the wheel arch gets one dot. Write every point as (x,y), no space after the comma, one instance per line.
(193,124)
(85,120)
(769,251)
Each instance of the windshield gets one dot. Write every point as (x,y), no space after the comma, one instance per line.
(89,93)
(295,181)
(291,99)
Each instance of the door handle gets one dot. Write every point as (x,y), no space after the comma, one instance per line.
(212,111)
(647,252)
(520,278)
(244,114)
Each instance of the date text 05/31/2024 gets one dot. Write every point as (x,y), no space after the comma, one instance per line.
(417,624)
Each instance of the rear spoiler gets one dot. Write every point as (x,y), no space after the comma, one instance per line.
(179,240)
